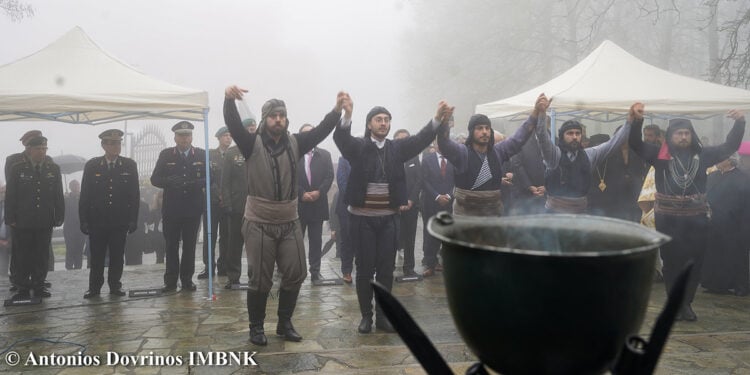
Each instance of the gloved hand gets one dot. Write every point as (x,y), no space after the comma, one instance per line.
(85,228)
(132,227)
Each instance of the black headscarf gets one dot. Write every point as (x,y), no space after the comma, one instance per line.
(682,123)
(479,119)
(374,112)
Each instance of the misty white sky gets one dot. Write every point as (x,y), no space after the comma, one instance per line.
(303,52)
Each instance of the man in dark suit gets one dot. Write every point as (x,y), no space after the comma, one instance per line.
(528,189)
(314,181)
(35,204)
(181,172)
(437,195)
(409,213)
(234,195)
(108,210)
(219,219)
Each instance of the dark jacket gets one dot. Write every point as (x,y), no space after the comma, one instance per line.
(468,163)
(571,178)
(109,197)
(183,181)
(342,178)
(321,171)
(433,184)
(34,200)
(360,152)
(217,166)
(708,157)
(234,182)
(528,169)
(413,180)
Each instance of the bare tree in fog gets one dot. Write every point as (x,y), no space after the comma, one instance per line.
(16,10)
(484,50)
(732,66)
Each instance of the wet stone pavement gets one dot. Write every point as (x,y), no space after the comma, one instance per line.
(113,329)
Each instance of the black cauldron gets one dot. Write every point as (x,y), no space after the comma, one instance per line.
(547,294)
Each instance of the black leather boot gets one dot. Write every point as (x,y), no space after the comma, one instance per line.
(687,313)
(365,325)
(256,311)
(287,303)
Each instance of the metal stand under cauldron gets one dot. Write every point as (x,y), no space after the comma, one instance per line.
(596,272)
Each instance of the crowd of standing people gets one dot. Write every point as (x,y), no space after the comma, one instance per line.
(271,190)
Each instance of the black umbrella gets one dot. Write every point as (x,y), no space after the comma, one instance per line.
(70,163)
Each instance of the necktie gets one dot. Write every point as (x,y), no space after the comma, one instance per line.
(38,169)
(110,165)
(443,166)
(307,168)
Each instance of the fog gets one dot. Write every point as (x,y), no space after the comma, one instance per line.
(300,51)
(404,55)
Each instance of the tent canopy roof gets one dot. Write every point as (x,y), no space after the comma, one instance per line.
(73,80)
(610,80)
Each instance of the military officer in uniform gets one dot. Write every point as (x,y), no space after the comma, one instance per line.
(108,210)
(181,172)
(234,194)
(35,204)
(219,219)
(9,161)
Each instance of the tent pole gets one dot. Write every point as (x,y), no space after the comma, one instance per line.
(207,222)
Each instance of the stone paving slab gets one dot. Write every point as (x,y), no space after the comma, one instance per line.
(183,322)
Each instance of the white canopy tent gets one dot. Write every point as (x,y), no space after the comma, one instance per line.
(72,80)
(610,80)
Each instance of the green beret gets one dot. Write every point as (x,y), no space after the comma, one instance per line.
(222,130)
(249,122)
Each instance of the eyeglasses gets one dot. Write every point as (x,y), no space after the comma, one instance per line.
(382,120)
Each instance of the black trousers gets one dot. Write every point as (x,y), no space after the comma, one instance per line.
(689,240)
(407,235)
(314,242)
(5,258)
(176,229)
(220,230)
(344,238)
(105,240)
(233,255)
(134,246)
(31,256)
(375,239)
(74,245)
(12,265)
(430,245)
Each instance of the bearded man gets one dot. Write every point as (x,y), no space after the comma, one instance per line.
(680,209)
